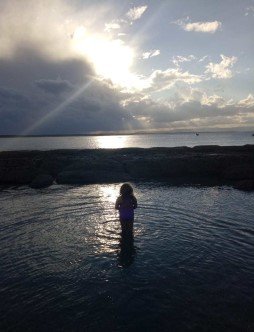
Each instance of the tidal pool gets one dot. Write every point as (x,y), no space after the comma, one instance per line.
(64,265)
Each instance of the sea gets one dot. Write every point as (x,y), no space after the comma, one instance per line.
(125,141)
(65,265)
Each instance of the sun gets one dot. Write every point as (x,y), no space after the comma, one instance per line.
(112,58)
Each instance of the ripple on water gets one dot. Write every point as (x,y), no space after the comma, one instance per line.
(191,259)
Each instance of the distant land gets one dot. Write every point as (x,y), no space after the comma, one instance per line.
(232,130)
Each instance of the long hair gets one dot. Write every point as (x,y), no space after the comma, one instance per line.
(126,190)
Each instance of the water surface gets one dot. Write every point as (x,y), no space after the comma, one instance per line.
(126,141)
(65,267)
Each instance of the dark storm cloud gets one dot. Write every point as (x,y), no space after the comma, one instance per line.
(54,86)
(11,97)
(28,66)
(35,87)
(14,108)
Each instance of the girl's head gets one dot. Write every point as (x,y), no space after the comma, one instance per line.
(126,189)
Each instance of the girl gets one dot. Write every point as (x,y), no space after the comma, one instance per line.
(126,203)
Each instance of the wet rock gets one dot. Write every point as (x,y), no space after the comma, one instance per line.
(93,170)
(90,177)
(246,185)
(94,164)
(239,172)
(42,181)
(17,171)
(200,165)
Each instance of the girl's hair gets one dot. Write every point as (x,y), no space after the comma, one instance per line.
(126,189)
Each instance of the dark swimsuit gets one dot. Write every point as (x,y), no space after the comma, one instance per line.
(126,208)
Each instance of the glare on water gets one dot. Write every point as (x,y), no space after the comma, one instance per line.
(111,142)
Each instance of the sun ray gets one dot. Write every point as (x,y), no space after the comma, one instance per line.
(58,109)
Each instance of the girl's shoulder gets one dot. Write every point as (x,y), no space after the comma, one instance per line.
(129,198)
(122,198)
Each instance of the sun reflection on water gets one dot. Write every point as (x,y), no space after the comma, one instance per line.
(111,142)
(109,193)
(107,229)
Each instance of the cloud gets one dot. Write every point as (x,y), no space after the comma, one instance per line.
(133,14)
(13,104)
(150,54)
(201,111)
(247,102)
(46,86)
(249,11)
(204,27)
(54,86)
(136,12)
(203,58)
(179,59)
(11,96)
(36,25)
(216,100)
(101,107)
(49,97)
(112,26)
(162,80)
(32,65)
(221,70)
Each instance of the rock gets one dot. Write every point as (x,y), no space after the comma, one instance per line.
(90,177)
(93,170)
(42,181)
(17,176)
(202,165)
(247,185)
(239,172)
(17,169)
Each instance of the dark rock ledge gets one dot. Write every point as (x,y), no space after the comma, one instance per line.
(201,165)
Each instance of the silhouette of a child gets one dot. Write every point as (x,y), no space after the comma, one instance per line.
(126,203)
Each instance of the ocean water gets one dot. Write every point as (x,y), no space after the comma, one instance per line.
(65,266)
(125,141)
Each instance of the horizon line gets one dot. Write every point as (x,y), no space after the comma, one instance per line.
(125,133)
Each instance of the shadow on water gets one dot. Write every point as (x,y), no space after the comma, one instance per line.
(127,252)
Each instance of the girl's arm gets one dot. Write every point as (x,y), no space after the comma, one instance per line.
(117,205)
(135,203)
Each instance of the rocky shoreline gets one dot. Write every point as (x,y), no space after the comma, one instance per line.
(201,165)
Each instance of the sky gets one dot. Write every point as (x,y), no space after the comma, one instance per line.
(116,66)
